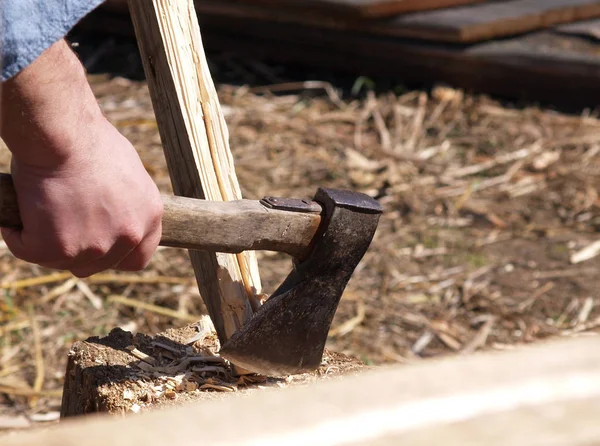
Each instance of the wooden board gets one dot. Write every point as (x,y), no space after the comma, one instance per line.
(348,8)
(538,395)
(586,28)
(361,8)
(460,24)
(541,66)
(465,24)
(480,22)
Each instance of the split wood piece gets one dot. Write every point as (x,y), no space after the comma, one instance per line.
(464,24)
(347,8)
(122,373)
(537,395)
(196,146)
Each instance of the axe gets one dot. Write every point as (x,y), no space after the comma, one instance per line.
(327,237)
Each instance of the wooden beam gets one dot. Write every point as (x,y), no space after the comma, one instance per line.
(349,8)
(538,395)
(359,9)
(196,146)
(494,19)
(586,28)
(460,24)
(528,67)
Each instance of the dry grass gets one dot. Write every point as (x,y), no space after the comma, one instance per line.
(485,205)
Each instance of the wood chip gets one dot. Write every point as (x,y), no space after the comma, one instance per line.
(480,338)
(141,355)
(220,388)
(589,252)
(423,342)
(171,394)
(45,417)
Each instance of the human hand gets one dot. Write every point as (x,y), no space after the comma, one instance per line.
(92,213)
(86,202)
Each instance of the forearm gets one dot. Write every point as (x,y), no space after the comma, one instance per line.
(45,107)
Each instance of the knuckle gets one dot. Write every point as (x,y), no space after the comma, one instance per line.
(131,236)
(95,250)
(65,252)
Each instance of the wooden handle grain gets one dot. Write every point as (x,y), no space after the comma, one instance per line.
(236,226)
(231,226)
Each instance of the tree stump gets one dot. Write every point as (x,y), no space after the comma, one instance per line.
(125,373)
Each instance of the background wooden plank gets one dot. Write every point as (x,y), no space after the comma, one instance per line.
(351,8)
(586,28)
(362,8)
(461,24)
(539,67)
(480,22)
(466,24)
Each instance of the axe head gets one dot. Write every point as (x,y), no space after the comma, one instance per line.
(287,334)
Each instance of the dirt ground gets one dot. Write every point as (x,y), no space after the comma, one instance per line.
(488,239)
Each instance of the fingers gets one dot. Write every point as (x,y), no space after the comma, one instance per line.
(127,253)
(124,256)
(82,269)
(140,257)
(12,238)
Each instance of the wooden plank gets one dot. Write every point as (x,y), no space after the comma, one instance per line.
(465,24)
(347,8)
(537,395)
(361,8)
(486,21)
(196,146)
(539,66)
(586,28)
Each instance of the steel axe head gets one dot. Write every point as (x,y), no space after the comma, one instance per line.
(287,334)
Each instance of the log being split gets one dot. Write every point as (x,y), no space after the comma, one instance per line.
(538,395)
(196,146)
(122,373)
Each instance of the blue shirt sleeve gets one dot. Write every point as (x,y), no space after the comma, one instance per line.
(29,27)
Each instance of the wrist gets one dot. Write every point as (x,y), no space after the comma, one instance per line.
(48,110)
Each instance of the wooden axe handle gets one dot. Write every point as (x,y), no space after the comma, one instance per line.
(231,226)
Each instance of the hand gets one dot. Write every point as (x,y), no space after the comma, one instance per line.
(93,213)
(87,204)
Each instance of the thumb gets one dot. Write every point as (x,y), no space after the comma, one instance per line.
(14,242)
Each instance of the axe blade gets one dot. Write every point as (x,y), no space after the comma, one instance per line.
(287,334)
